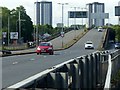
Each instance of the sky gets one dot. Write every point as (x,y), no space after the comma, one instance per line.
(57,9)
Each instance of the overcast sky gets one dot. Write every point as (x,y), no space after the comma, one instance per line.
(30,8)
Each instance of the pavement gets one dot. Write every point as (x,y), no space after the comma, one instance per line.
(58,43)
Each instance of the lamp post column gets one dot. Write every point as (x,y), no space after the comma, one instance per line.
(62,31)
(19,27)
(8,29)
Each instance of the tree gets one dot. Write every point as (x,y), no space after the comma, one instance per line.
(26,26)
(5,13)
(117,32)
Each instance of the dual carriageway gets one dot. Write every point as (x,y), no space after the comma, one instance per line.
(19,67)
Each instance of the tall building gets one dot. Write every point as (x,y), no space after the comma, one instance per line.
(96,14)
(44,13)
(37,12)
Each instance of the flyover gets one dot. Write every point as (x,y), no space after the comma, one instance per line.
(20,67)
(68,40)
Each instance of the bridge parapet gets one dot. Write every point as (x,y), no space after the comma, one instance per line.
(88,71)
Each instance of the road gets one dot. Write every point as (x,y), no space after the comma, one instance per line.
(17,68)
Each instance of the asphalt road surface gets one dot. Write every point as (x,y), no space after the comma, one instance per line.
(20,67)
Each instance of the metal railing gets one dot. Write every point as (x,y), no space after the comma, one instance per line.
(88,71)
(113,68)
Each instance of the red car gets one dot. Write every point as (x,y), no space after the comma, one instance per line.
(45,47)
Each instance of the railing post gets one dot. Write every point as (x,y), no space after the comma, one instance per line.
(74,75)
(101,84)
(84,65)
(104,66)
(81,72)
(98,69)
(93,84)
(90,72)
(60,80)
(95,60)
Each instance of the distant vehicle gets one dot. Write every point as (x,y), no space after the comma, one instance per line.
(31,44)
(45,47)
(45,36)
(117,45)
(89,45)
(100,29)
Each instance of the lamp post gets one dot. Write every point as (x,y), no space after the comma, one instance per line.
(75,19)
(20,25)
(8,29)
(82,15)
(62,31)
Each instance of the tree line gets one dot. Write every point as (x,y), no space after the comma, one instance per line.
(27,28)
(13,15)
(114,32)
(116,28)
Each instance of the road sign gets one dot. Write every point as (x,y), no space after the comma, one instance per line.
(13,35)
(4,34)
(117,10)
(62,34)
(77,14)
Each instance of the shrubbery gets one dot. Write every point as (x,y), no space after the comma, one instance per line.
(117,32)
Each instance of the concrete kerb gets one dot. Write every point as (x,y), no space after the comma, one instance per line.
(66,46)
(100,47)
(71,43)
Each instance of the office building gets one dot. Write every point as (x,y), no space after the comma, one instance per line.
(37,12)
(96,14)
(44,13)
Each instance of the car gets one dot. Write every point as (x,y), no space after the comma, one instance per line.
(117,45)
(45,37)
(89,45)
(100,29)
(45,47)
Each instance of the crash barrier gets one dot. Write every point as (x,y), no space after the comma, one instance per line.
(113,69)
(88,71)
(53,36)
(105,39)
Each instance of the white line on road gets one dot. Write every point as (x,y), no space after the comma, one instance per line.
(15,63)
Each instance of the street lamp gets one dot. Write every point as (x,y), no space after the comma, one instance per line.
(8,29)
(82,15)
(20,25)
(62,32)
(75,19)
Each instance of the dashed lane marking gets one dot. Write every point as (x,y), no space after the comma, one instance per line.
(15,63)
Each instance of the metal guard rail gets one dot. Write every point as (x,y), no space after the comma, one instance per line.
(88,71)
(113,68)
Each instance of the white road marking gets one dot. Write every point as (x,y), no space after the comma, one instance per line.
(45,56)
(32,59)
(15,63)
